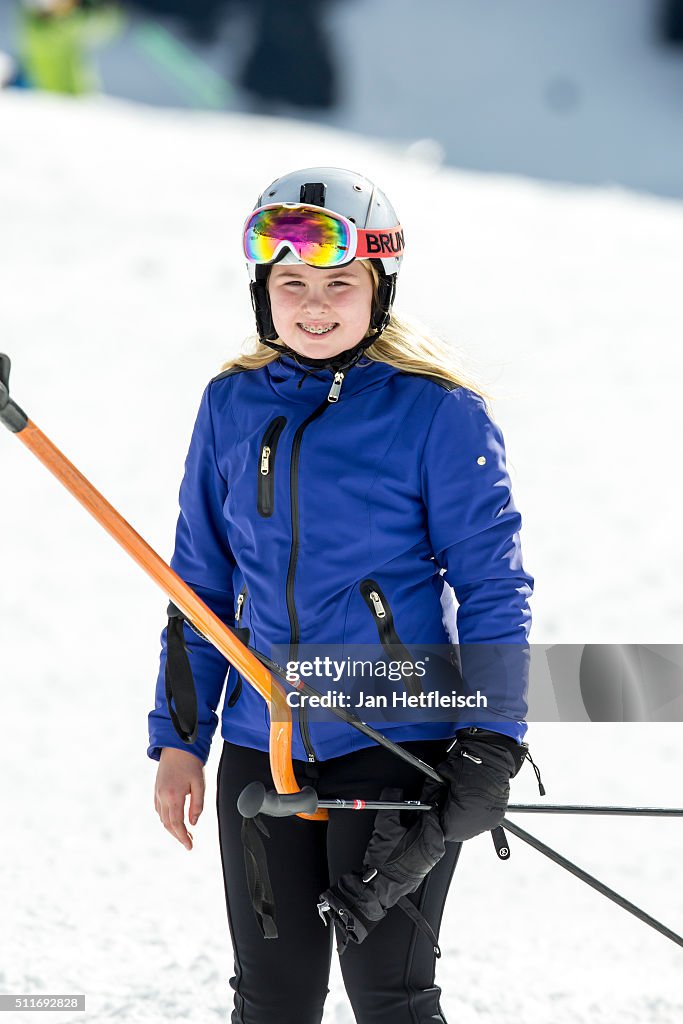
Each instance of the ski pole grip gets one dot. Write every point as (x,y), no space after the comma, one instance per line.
(14,418)
(255,799)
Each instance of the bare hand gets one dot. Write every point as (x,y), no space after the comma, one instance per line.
(179,774)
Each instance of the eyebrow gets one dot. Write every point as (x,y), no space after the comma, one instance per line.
(342,272)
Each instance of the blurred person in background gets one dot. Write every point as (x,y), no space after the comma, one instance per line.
(292,60)
(671,22)
(55,38)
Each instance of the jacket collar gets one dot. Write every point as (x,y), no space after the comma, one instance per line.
(307,385)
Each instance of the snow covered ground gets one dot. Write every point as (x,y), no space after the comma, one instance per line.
(121,292)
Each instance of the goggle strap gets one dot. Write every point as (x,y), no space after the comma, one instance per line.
(380,244)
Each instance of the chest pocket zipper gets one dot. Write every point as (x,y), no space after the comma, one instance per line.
(265,488)
(384,620)
(243,634)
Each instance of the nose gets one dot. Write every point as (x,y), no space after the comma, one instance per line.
(315,300)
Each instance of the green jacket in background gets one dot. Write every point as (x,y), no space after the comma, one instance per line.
(54,49)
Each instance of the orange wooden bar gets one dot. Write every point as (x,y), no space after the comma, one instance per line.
(185,598)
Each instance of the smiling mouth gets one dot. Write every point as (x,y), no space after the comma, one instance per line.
(317,331)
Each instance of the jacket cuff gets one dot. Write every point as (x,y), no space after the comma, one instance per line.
(162,734)
(485,737)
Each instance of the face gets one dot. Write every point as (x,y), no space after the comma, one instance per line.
(304,297)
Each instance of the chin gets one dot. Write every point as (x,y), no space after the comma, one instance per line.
(320,354)
(317,350)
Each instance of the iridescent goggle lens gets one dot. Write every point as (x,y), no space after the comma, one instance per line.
(318,237)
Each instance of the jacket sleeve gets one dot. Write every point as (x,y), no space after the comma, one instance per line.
(474,531)
(201,558)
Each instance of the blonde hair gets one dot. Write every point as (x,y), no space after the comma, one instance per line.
(403,344)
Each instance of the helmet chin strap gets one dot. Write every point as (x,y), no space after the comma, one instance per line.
(340,361)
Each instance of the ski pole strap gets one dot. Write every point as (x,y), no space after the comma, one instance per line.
(181,693)
(422,923)
(351,925)
(258,879)
(180,688)
(500,842)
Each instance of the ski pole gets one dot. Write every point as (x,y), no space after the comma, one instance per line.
(255,799)
(574,869)
(652,812)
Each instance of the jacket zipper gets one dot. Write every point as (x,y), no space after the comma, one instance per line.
(333,396)
(240,603)
(235,695)
(266,467)
(384,620)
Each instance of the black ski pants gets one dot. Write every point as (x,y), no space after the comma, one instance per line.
(389,978)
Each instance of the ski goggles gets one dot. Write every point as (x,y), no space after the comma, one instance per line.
(318,237)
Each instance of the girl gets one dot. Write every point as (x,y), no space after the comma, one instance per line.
(338,476)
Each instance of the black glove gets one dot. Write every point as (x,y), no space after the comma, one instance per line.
(477,771)
(395,863)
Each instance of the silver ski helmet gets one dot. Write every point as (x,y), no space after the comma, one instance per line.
(348,195)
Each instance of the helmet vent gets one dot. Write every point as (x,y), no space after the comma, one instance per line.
(358,188)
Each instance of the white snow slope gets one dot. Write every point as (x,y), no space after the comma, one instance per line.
(122,290)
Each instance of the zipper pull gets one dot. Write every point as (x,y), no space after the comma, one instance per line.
(336,386)
(240,602)
(265,461)
(378,606)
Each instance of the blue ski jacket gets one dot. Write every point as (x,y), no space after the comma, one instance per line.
(311,521)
